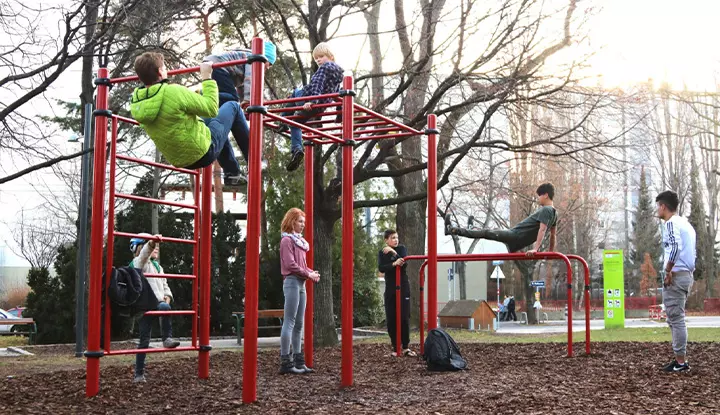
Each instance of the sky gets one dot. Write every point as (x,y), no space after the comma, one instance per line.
(633,40)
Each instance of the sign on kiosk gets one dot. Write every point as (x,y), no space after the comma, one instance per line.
(614,292)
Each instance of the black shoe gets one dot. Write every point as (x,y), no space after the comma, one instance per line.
(288,367)
(299,360)
(295,160)
(674,367)
(235,179)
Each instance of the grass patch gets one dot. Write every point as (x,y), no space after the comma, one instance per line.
(650,335)
(12,341)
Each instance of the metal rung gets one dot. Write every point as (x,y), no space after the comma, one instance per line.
(170,313)
(164,239)
(153,350)
(176,276)
(155,164)
(156,201)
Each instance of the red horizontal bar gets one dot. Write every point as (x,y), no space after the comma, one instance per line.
(367,124)
(125,119)
(379,116)
(308,98)
(181,71)
(492,257)
(380,137)
(155,164)
(153,350)
(377,130)
(153,238)
(175,276)
(170,313)
(303,127)
(288,109)
(156,201)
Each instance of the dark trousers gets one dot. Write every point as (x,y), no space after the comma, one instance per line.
(506,236)
(404,317)
(511,315)
(145,329)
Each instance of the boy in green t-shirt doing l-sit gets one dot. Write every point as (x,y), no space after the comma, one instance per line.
(531,231)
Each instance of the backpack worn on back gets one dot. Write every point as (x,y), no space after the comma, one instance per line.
(442,353)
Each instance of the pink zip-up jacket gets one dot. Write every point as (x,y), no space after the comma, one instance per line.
(292,259)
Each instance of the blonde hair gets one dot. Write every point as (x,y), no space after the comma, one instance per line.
(323,48)
(288,222)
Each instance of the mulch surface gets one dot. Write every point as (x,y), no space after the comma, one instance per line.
(619,378)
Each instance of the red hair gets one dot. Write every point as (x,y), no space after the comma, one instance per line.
(291,217)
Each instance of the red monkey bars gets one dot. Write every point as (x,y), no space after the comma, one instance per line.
(201,241)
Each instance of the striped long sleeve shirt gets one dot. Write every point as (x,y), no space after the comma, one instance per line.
(679,244)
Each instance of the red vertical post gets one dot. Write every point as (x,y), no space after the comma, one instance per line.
(252,245)
(92,378)
(570,305)
(432,221)
(110,227)
(422,308)
(347,233)
(205,271)
(310,256)
(196,262)
(398,310)
(587,309)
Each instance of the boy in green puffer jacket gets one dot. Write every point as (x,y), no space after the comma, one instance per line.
(170,114)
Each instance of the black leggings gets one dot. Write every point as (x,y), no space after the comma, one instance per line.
(404,318)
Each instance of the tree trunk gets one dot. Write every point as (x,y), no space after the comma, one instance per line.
(527,268)
(325,333)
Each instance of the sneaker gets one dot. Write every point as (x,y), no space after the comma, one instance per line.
(295,160)
(139,379)
(235,179)
(674,367)
(170,343)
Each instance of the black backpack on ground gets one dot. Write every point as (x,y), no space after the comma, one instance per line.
(442,354)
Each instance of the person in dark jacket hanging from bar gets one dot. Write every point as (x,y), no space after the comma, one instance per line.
(235,85)
(390,257)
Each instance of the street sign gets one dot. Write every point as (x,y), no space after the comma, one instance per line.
(497,273)
(451,274)
(498,262)
(538,283)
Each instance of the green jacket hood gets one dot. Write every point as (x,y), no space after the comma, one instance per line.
(146,102)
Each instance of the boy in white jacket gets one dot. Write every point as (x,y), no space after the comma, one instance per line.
(146,259)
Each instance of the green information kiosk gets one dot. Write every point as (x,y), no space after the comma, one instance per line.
(614,289)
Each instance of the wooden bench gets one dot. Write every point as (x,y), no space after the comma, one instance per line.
(262,314)
(21,322)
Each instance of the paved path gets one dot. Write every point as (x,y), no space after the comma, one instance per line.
(550,327)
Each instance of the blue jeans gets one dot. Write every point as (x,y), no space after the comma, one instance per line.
(295,132)
(228,93)
(230,117)
(292,328)
(145,328)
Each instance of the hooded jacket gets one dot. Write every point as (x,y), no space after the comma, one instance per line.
(170,116)
(148,265)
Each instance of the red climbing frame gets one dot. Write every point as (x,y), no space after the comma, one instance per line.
(201,240)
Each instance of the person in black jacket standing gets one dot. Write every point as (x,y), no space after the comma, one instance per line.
(511,309)
(389,257)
